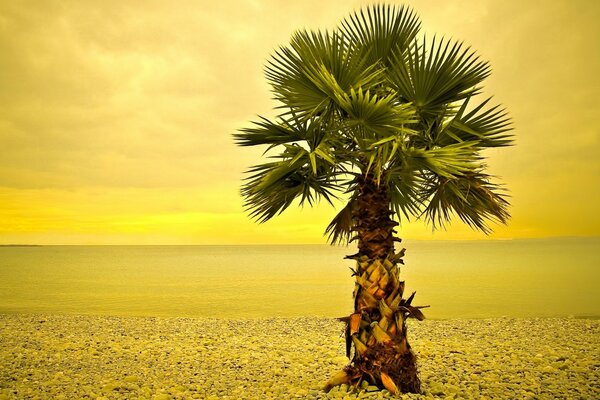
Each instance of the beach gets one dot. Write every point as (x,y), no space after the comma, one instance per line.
(103,357)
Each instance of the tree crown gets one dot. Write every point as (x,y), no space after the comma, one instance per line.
(371,98)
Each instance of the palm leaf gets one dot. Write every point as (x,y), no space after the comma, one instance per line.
(404,188)
(448,162)
(472,197)
(339,230)
(434,79)
(379,31)
(489,127)
(267,132)
(271,187)
(376,117)
(315,70)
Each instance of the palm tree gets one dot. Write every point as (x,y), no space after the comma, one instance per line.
(388,122)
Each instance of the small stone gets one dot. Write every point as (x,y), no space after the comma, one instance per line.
(109,387)
(549,369)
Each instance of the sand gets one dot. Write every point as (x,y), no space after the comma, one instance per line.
(45,356)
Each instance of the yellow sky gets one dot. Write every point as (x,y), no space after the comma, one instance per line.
(116,116)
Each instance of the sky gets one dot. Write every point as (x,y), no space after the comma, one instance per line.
(116,117)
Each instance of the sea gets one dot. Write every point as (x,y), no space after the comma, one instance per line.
(558,277)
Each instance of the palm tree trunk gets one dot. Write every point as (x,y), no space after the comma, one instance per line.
(377,329)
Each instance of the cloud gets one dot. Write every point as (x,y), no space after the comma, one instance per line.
(119,104)
(114,95)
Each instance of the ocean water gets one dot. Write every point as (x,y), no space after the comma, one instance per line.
(457,279)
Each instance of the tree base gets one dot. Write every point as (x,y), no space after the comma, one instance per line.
(381,366)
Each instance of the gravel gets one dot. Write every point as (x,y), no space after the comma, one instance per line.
(93,357)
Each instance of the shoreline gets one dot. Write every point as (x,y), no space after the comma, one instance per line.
(84,356)
(9,313)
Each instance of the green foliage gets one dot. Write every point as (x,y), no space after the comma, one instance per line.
(436,79)
(381,31)
(372,98)
(471,196)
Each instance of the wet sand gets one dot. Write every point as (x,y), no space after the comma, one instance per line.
(93,357)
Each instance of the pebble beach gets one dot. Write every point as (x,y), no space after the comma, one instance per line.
(97,357)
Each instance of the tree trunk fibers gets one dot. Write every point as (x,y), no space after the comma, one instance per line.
(376,330)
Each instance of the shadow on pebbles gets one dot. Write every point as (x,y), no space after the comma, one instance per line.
(54,357)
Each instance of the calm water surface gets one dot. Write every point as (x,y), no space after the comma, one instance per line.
(458,279)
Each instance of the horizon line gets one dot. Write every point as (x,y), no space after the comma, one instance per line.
(292,244)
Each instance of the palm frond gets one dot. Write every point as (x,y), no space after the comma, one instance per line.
(272,187)
(270,133)
(448,162)
(317,67)
(380,31)
(435,78)
(472,197)
(488,127)
(339,230)
(375,117)
(404,187)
